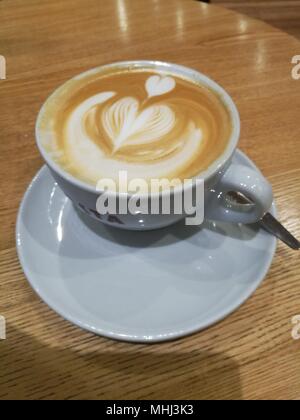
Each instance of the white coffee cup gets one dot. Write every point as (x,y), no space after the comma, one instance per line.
(221,177)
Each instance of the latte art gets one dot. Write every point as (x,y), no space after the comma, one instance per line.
(126,124)
(149,124)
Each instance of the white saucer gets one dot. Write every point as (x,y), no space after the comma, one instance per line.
(136,286)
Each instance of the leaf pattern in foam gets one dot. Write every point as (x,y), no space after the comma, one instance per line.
(125,124)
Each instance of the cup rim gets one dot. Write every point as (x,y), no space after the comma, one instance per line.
(177,69)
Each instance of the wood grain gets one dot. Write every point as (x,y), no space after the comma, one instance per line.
(284,14)
(249,355)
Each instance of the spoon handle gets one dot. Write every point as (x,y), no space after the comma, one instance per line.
(268,222)
(271,225)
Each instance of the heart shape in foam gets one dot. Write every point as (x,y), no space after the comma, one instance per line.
(124,123)
(159,85)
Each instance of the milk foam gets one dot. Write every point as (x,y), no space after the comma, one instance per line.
(126,124)
(156,130)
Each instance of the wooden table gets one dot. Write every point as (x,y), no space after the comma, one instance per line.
(249,355)
(284,14)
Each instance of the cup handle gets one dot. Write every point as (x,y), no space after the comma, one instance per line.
(252,184)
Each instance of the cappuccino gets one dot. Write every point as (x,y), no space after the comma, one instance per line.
(151,124)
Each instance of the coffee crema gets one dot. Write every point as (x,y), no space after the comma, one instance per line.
(151,124)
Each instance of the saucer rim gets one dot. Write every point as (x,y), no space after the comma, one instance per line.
(142,339)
